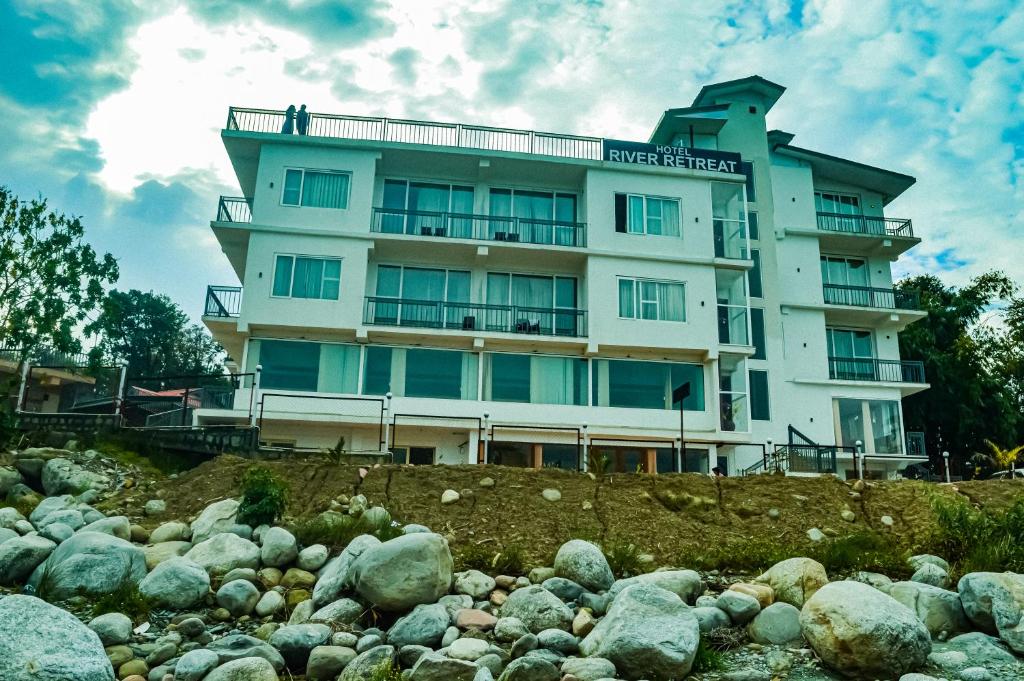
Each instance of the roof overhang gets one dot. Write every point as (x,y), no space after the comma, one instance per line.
(705,120)
(888,183)
(767,91)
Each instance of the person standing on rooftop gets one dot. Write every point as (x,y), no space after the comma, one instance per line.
(302,120)
(289,120)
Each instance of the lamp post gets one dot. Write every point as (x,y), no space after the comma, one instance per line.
(860,459)
(487,449)
(387,418)
(584,462)
(769,453)
(945,465)
(679,395)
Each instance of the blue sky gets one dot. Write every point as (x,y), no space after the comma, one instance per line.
(113,108)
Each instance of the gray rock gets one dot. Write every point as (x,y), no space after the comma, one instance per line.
(239,646)
(49,505)
(597,603)
(114,629)
(248,574)
(585,564)
(404,572)
(566,589)
(524,645)
(90,515)
(975,674)
(191,627)
(155,507)
(469,649)
(424,626)
(559,641)
(933,575)
(369,641)
(995,603)
(344,639)
(879,581)
(238,597)
(451,635)
(312,558)
(61,476)
(981,648)
(39,641)
(538,609)
(161,653)
(296,641)
(777,624)
(509,629)
(343,611)
(301,613)
(710,619)
(269,603)
(117,526)
(684,583)
(530,669)
(649,632)
(55,532)
(91,563)
(539,574)
(589,668)
(218,518)
(858,630)
(413,528)
(245,669)
(474,584)
(740,607)
(794,580)
(8,479)
(923,559)
(21,555)
(9,516)
(939,610)
(408,656)
(326,662)
(434,667)
(176,583)
(170,531)
(493,662)
(224,552)
(195,664)
(336,576)
(279,547)
(69,516)
(6,534)
(363,665)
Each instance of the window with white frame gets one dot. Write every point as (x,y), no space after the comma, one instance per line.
(639,214)
(315,188)
(651,299)
(300,276)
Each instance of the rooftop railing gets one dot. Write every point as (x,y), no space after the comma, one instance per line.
(480,227)
(234,209)
(223,301)
(428,314)
(865,224)
(46,357)
(867,296)
(878,370)
(421,132)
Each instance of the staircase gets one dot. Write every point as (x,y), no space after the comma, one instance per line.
(798,457)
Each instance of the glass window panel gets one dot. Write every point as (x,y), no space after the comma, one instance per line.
(508,377)
(648,300)
(389,281)
(497,288)
(458,287)
(533,205)
(627,295)
(289,365)
(670,218)
(565,207)
(423,284)
(636,214)
(885,426)
(654,216)
(851,422)
(283,275)
(433,373)
(672,302)
(760,407)
(325,190)
(339,368)
(395,193)
(862,344)
(562,456)
(308,279)
(428,197)
(646,385)
(532,291)
(757,332)
(332,279)
(755,275)
(377,371)
(462,200)
(694,375)
(292,186)
(857,271)
(752,225)
(727,201)
(501,202)
(565,292)
(518,454)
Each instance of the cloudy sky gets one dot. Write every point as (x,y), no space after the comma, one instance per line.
(113,109)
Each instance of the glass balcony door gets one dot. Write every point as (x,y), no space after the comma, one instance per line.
(852,354)
(427,209)
(423,297)
(530,216)
(846,272)
(534,303)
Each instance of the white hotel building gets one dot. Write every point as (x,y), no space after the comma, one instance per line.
(457,294)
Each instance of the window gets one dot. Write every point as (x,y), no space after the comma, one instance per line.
(298,276)
(653,215)
(760,404)
(421,296)
(315,188)
(646,385)
(418,372)
(754,278)
(747,168)
(535,379)
(536,217)
(850,354)
(729,220)
(305,366)
(874,423)
(427,209)
(649,299)
(733,327)
(732,392)
(757,333)
(833,202)
(843,271)
(752,228)
(535,303)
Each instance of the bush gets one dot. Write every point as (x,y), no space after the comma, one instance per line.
(336,530)
(505,560)
(386,671)
(126,599)
(624,559)
(264,497)
(861,551)
(707,659)
(752,555)
(973,540)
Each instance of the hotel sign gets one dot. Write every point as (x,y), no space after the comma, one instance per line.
(671,157)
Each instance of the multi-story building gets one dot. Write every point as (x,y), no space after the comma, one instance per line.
(537,299)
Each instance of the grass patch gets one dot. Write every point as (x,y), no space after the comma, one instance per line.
(707,659)
(974,540)
(505,560)
(335,530)
(624,559)
(386,671)
(126,599)
(264,497)
(132,449)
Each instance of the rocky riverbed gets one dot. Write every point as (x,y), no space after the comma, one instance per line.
(208,598)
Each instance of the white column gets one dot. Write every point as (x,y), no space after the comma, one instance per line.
(945,466)
(487,439)
(256,401)
(586,454)
(387,421)
(23,386)
(858,459)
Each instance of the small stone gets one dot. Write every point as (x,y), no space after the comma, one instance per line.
(469,649)
(551,494)
(312,558)
(238,597)
(587,505)
(887,520)
(487,482)
(740,607)
(155,507)
(849,516)
(112,628)
(449,496)
(774,513)
(467,618)
(295,578)
(269,603)
(815,535)
(524,645)
(133,667)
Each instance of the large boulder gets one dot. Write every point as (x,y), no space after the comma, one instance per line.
(51,504)
(474,584)
(648,633)
(39,641)
(340,613)
(940,610)
(21,555)
(117,526)
(434,667)
(537,608)
(239,646)
(170,531)
(296,641)
(335,577)
(177,583)
(90,563)
(795,580)
(245,669)
(777,624)
(860,632)
(363,666)
(8,479)
(279,547)
(683,583)
(238,597)
(994,601)
(404,572)
(424,626)
(224,552)
(585,564)
(62,476)
(218,518)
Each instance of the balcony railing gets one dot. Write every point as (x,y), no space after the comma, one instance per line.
(46,357)
(234,209)
(422,132)
(223,301)
(809,458)
(382,311)
(870,369)
(915,443)
(866,296)
(865,224)
(480,227)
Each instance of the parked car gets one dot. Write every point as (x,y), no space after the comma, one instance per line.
(1018,474)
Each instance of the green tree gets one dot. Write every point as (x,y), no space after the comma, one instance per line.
(969,401)
(50,279)
(153,335)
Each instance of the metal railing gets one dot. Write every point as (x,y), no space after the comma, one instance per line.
(421,132)
(223,301)
(915,443)
(865,224)
(809,458)
(867,296)
(479,227)
(383,311)
(46,357)
(234,209)
(871,369)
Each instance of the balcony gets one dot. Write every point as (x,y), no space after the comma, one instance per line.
(234,209)
(876,370)
(866,296)
(422,133)
(865,224)
(425,314)
(916,444)
(223,301)
(479,227)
